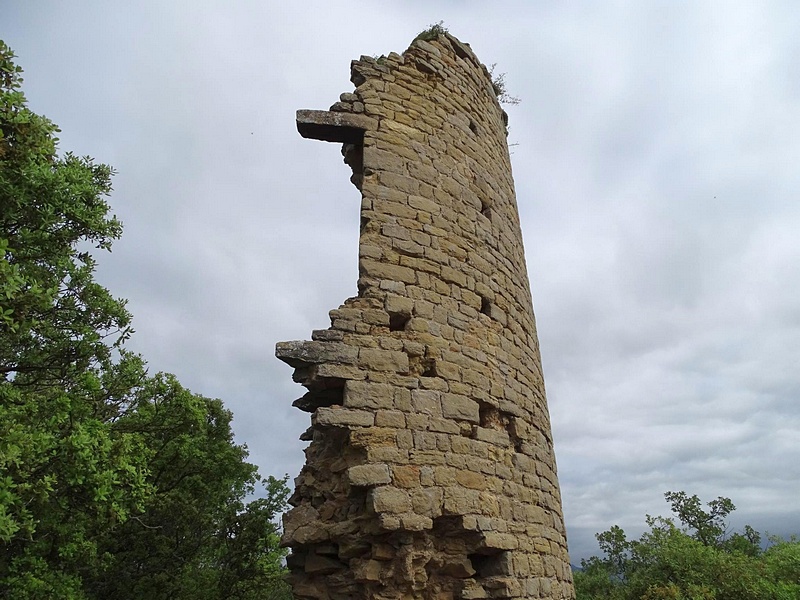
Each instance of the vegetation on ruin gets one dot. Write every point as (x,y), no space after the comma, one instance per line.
(500,87)
(433,31)
(113,483)
(691,556)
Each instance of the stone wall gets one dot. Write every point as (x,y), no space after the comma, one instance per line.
(430,472)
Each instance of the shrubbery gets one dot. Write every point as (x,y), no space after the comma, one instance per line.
(693,559)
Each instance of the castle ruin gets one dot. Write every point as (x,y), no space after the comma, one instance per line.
(430,473)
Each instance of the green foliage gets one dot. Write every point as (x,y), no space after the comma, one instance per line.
(693,561)
(500,87)
(708,527)
(113,483)
(432,32)
(196,515)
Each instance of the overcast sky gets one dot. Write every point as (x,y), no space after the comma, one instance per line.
(656,154)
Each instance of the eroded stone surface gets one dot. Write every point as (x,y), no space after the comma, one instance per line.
(430,474)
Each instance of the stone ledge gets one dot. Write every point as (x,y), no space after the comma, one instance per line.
(347,128)
(300,354)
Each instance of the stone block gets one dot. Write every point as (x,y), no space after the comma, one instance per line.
(301,354)
(424,440)
(380,270)
(387,454)
(363,394)
(405,476)
(427,501)
(390,418)
(471,480)
(374,437)
(460,501)
(415,421)
(383,360)
(409,248)
(369,475)
(297,517)
(389,499)
(444,426)
(381,160)
(405,184)
(342,417)
(473,591)
(498,437)
(339,371)
(382,551)
(459,407)
(414,522)
(321,565)
(426,457)
(423,173)
(444,476)
(426,205)
(399,305)
(369,570)
(427,402)
(499,541)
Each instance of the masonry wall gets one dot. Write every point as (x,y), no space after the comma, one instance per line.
(430,472)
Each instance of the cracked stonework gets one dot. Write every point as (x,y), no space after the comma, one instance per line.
(430,472)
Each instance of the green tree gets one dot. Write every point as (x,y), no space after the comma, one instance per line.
(113,483)
(708,526)
(64,477)
(692,560)
(196,537)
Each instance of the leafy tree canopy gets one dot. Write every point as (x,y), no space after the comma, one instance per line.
(694,559)
(113,483)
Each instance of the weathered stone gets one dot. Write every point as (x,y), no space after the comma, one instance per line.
(430,474)
(414,522)
(362,394)
(368,571)
(301,354)
(321,565)
(399,305)
(428,402)
(455,406)
(343,417)
(405,476)
(383,360)
(471,480)
(459,567)
(374,437)
(390,499)
(493,436)
(369,475)
(390,418)
(333,126)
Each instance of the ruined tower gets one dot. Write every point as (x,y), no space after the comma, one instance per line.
(430,473)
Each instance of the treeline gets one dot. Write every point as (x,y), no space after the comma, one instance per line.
(691,556)
(113,483)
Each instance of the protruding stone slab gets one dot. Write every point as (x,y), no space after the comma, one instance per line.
(300,354)
(329,126)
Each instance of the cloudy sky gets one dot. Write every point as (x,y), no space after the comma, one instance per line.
(656,154)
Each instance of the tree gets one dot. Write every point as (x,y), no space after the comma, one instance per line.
(113,483)
(196,537)
(692,560)
(59,385)
(708,526)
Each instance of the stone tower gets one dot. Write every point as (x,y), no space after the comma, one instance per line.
(430,472)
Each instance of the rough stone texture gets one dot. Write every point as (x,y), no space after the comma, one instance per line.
(430,473)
